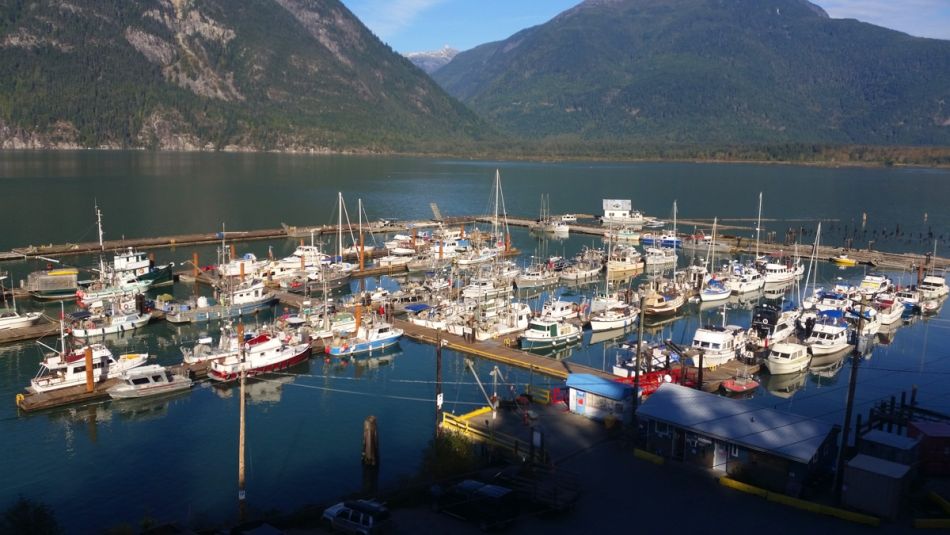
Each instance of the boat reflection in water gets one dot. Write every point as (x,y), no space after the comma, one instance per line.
(745,301)
(785,385)
(824,369)
(613,335)
(886,333)
(259,390)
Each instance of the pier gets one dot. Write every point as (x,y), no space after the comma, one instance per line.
(46,327)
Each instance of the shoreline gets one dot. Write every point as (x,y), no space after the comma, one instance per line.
(489,157)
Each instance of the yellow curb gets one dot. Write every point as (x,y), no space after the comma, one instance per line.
(647,456)
(939,500)
(932,523)
(798,503)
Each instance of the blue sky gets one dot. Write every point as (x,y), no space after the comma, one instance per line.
(417,25)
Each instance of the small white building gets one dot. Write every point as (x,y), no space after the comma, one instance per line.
(598,398)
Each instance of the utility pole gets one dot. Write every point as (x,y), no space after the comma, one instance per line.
(242,497)
(438,384)
(849,408)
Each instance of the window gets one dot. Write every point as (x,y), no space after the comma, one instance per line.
(156,378)
(140,381)
(733,450)
(662,428)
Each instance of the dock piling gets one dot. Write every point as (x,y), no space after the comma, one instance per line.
(90,382)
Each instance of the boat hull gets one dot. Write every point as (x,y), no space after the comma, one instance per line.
(179,384)
(550,343)
(370,346)
(297,358)
(218,312)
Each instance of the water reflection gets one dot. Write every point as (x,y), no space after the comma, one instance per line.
(265,389)
(824,369)
(785,385)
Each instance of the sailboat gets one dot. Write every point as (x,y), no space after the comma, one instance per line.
(10,318)
(714,289)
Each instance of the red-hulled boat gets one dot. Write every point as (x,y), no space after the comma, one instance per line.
(265,353)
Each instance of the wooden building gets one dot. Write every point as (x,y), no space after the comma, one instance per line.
(776,450)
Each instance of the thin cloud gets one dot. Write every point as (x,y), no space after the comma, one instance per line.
(389,17)
(923,18)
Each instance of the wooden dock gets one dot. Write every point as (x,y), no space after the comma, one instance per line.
(497,351)
(46,327)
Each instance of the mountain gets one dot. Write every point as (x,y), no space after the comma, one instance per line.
(434,60)
(213,74)
(708,72)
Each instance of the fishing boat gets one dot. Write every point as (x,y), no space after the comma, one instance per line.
(53,284)
(204,350)
(116,315)
(843,260)
(624,262)
(663,303)
(581,271)
(549,333)
(623,234)
(536,276)
(786,358)
(666,239)
(147,381)
(63,369)
(246,266)
(375,336)
(775,273)
(654,257)
(245,298)
(614,318)
(263,354)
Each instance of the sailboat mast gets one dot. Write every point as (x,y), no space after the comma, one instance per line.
(758,227)
(712,252)
(102,248)
(495,218)
(339,227)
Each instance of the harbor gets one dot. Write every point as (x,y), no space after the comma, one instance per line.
(484,356)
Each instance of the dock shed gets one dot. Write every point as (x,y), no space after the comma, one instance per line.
(889,446)
(776,450)
(598,398)
(875,486)
(934,446)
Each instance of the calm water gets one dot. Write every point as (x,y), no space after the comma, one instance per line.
(175,459)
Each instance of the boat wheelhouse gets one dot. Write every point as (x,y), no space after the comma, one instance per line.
(549,333)
(827,337)
(771,325)
(874,284)
(146,381)
(718,345)
(786,358)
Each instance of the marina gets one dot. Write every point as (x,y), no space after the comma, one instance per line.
(334,393)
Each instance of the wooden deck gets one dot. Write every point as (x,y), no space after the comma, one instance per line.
(46,327)
(497,351)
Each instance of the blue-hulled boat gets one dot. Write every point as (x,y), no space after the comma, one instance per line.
(369,338)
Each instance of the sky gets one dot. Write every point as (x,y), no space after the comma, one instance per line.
(422,25)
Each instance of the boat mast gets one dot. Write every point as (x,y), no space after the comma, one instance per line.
(494,229)
(339,226)
(102,248)
(712,248)
(758,227)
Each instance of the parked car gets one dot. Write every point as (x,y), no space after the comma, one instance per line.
(488,506)
(363,517)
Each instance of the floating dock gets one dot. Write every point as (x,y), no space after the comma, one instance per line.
(46,327)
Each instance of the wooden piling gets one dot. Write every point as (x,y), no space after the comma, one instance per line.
(90,380)
(194,262)
(370,442)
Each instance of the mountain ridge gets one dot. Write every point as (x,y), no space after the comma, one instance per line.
(708,72)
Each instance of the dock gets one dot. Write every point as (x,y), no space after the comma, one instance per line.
(497,351)
(46,327)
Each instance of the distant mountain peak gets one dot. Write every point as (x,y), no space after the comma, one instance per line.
(434,60)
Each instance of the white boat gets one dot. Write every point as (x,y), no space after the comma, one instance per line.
(10,318)
(393,261)
(368,338)
(745,279)
(151,380)
(622,234)
(718,345)
(484,288)
(659,256)
(499,323)
(558,309)
(62,369)
(204,349)
(613,318)
(782,273)
(569,218)
(116,315)
(248,266)
(549,333)
(663,303)
(582,271)
(889,309)
(475,257)
(264,354)
(536,276)
(244,298)
(304,258)
(827,337)
(909,297)
(623,262)
(933,287)
(714,290)
(871,323)
(874,284)
(787,358)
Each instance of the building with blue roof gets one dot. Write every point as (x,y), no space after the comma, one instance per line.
(598,398)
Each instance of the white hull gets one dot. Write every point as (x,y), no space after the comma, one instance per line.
(114,328)
(788,366)
(19,321)
(606,323)
(827,349)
